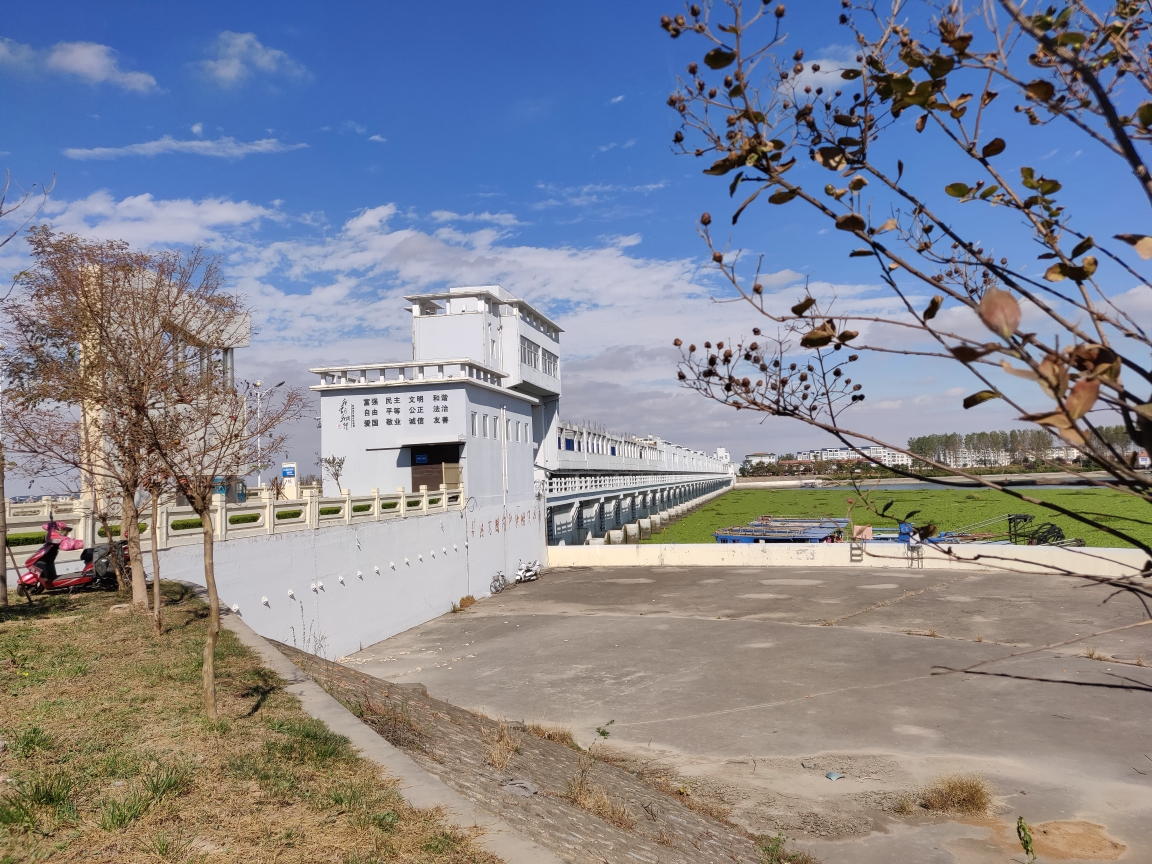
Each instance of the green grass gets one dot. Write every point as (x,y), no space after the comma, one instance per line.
(243,518)
(948,509)
(361,508)
(186,524)
(110,758)
(288,514)
(330,511)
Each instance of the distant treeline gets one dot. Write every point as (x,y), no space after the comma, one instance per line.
(1019,444)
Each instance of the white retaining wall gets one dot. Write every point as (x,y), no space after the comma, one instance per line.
(1032,559)
(396,574)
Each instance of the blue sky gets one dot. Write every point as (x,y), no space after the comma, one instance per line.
(340,155)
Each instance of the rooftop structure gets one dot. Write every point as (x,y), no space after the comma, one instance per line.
(478,405)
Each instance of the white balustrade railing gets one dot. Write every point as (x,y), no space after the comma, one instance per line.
(260,514)
(409,371)
(566,485)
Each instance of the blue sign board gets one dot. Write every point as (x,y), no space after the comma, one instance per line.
(288,471)
(421,458)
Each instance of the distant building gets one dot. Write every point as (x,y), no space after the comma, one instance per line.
(760,459)
(1142,460)
(886,456)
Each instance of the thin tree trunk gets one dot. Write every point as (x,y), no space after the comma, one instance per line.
(117,560)
(209,670)
(157,619)
(4,535)
(130,531)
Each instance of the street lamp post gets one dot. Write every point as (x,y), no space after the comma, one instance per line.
(261,395)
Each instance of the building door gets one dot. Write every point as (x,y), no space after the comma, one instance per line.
(435,464)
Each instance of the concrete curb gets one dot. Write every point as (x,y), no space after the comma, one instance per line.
(419,787)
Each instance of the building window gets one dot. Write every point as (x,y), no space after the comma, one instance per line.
(569,444)
(530,353)
(485,425)
(517,432)
(508,431)
(613,449)
(551,364)
(473,424)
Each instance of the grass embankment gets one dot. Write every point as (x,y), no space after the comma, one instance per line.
(948,509)
(108,757)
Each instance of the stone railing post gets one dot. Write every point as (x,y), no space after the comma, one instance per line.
(403,501)
(423,499)
(443,496)
(375,505)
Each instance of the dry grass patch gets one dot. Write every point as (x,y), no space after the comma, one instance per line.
(110,759)
(665,779)
(963,794)
(501,744)
(1093,653)
(588,796)
(557,734)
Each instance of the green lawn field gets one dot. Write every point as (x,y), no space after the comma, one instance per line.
(946,508)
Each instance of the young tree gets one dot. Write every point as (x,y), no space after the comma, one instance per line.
(836,140)
(204,430)
(333,466)
(88,329)
(8,206)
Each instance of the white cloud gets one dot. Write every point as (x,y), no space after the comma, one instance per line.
(588,194)
(504,219)
(16,54)
(91,61)
(223,148)
(616,100)
(143,221)
(378,139)
(197,129)
(96,63)
(240,55)
(330,295)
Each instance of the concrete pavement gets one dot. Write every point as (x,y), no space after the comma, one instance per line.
(741,677)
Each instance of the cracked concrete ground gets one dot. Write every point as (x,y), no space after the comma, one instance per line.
(753,683)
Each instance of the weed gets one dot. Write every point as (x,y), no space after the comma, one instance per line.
(906,805)
(386,821)
(959,793)
(556,734)
(30,740)
(441,842)
(348,796)
(503,743)
(309,740)
(214,727)
(594,799)
(393,721)
(167,779)
(773,852)
(117,813)
(466,601)
(1093,653)
(167,847)
(664,838)
(979,638)
(17,813)
(1140,660)
(51,789)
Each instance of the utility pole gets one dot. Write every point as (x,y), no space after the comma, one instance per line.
(259,451)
